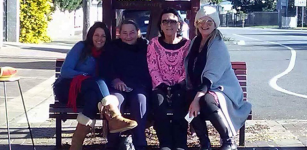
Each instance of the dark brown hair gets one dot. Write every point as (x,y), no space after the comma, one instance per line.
(129,21)
(88,42)
(175,12)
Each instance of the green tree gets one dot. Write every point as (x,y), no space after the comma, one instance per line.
(269,5)
(69,5)
(210,1)
(256,5)
(34,18)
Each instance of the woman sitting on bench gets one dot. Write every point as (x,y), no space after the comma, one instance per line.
(131,81)
(79,85)
(215,90)
(165,57)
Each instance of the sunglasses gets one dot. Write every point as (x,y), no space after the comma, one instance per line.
(207,22)
(169,21)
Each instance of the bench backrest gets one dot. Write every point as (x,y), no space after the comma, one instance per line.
(239,68)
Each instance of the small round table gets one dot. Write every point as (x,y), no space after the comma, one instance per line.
(4,81)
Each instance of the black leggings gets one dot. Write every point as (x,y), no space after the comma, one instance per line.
(170,134)
(208,106)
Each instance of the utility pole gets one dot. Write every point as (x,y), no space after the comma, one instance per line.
(1,23)
(86,5)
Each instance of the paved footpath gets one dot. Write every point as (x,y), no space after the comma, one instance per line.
(36,63)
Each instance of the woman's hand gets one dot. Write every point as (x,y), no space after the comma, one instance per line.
(194,106)
(119,84)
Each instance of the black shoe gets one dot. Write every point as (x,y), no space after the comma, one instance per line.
(228,144)
(140,148)
(165,148)
(205,148)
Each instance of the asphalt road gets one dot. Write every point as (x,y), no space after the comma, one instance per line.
(276,62)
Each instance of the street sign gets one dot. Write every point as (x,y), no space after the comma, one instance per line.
(300,3)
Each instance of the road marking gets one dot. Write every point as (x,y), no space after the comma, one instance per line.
(273,81)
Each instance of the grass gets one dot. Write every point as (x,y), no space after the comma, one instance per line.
(300,28)
(227,39)
(265,27)
(277,27)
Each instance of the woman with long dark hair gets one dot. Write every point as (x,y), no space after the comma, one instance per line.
(80,84)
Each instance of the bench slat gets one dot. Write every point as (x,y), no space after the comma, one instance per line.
(58,69)
(242,83)
(241,77)
(240,72)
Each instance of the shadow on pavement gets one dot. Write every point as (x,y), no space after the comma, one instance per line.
(58,50)
(59,42)
(275,35)
(42,48)
(42,133)
(45,65)
(102,147)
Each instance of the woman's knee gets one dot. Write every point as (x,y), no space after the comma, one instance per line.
(209,103)
(99,85)
(158,98)
(120,98)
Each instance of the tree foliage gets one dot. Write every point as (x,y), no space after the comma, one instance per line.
(211,1)
(256,5)
(69,5)
(34,18)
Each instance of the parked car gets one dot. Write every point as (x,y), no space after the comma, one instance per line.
(142,17)
(139,16)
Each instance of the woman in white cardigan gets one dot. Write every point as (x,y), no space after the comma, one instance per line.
(215,90)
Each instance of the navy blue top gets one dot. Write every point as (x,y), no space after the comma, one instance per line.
(129,63)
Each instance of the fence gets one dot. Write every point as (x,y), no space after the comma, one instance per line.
(250,19)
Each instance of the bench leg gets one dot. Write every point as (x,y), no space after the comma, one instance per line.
(58,132)
(242,136)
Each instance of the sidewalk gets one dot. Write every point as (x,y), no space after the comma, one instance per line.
(36,67)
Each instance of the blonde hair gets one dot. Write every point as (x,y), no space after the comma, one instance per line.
(216,32)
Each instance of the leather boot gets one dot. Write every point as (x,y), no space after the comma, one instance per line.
(218,120)
(109,109)
(201,130)
(83,128)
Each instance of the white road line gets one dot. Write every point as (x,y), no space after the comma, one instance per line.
(273,81)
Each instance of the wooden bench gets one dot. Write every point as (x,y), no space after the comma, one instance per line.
(61,113)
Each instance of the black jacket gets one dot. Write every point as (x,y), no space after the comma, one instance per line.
(129,63)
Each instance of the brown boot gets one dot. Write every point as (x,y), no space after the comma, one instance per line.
(117,123)
(83,128)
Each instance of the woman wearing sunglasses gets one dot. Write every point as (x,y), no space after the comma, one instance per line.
(165,57)
(216,92)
